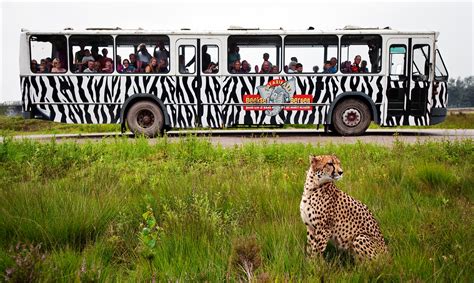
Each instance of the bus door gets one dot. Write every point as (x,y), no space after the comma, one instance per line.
(409,77)
(398,79)
(421,76)
(212,94)
(185,101)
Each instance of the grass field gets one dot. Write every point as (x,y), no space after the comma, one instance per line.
(189,211)
(20,126)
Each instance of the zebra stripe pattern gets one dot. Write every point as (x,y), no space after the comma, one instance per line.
(207,101)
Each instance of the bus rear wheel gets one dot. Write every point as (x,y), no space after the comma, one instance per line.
(145,118)
(351,117)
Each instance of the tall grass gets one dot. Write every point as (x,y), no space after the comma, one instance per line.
(84,204)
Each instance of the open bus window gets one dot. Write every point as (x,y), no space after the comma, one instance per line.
(254,54)
(397,59)
(421,62)
(361,53)
(441,73)
(48,54)
(210,59)
(316,53)
(187,59)
(91,53)
(134,53)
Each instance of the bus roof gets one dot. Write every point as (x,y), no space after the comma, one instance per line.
(234,31)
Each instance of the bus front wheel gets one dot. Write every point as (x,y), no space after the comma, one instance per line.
(351,117)
(145,118)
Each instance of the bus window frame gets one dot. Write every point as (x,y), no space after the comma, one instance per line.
(440,78)
(405,59)
(280,51)
(68,67)
(169,73)
(71,55)
(380,40)
(338,44)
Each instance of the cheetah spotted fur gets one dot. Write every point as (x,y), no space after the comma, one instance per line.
(331,214)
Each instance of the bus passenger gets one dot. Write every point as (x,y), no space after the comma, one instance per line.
(161,52)
(332,66)
(292,67)
(152,66)
(57,66)
(108,67)
(346,67)
(266,68)
(87,56)
(275,69)
(103,59)
(246,67)
(90,67)
(127,67)
(97,67)
(363,67)
(79,54)
(34,66)
(355,66)
(211,69)
(373,56)
(299,68)
(236,68)
(162,66)
(233,55)
(206,58)
(143,55)
(315,69)
(182,65)
(136,64)
(266,56)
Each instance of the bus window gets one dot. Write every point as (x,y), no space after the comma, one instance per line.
(421,60)
(441,73)
(251,50)
(46,49)
(210,59)
(91,53)
(139,49)
(187,59)
(361,53)
(317,53)
(397,59)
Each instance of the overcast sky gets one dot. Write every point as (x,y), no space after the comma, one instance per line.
(452,19)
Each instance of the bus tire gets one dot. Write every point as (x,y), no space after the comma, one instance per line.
(351,117)
(145,118)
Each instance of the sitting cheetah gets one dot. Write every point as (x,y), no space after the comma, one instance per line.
(330,214)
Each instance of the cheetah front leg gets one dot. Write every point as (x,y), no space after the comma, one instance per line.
(317,240)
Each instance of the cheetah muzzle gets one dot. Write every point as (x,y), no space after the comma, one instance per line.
(331,214)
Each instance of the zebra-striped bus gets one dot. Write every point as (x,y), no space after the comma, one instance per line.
(151,81)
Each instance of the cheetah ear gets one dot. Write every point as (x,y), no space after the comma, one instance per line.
(314,160)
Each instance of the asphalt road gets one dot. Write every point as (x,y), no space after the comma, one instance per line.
(240,136)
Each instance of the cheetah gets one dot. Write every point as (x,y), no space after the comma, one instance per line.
(331,214)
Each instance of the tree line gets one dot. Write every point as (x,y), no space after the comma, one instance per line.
(461,92)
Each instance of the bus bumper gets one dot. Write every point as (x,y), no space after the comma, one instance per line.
(438,115)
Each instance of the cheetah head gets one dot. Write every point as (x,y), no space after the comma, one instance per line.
(327,168)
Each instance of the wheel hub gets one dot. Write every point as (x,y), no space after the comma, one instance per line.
(145,118)
(351,117)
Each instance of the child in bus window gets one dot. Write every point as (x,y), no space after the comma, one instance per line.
(57,68)
(355,68)
(246,67)
(127,67)
(363,67)
(90,67)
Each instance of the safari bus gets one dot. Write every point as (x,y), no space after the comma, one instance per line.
(153,81)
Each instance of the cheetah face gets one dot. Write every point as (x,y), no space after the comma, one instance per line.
(327,168)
